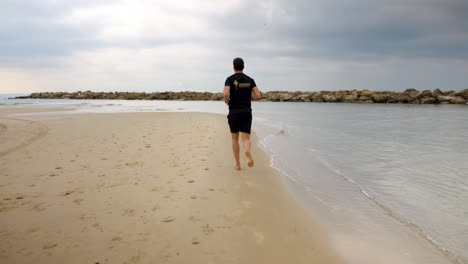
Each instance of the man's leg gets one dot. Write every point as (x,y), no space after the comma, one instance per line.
(236,149)
(246,141)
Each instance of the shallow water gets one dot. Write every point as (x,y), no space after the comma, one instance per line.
(380,167)
(389,182)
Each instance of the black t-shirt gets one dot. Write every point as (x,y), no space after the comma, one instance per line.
(240,93)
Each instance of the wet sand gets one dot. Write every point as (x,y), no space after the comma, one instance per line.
(143,188)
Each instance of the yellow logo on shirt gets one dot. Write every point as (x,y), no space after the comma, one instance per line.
(236,83)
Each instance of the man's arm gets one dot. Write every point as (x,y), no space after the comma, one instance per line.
(226,93)
(256,94)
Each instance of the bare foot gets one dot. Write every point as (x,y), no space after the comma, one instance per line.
(237,167)
(250,160)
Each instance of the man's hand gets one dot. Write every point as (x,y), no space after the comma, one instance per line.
(226,94)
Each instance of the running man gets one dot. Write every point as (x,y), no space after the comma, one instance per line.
(239,90)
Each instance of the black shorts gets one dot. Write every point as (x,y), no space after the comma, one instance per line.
(240,122)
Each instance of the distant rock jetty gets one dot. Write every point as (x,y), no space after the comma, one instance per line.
(409,96)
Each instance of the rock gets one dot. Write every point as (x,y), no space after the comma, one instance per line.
(216,97)
(428,100)
(304,97)
(458,100)
(462,94)
(413,95)
(350,98)
(465,94)
(409,90)
(437,92)
(22,97)
(401,98)
(285,97)
(330,98)
(317,98)
(380,98)
(425,93)
(448,92)
(410,95)
(366,93)
(443,98)
(270,96)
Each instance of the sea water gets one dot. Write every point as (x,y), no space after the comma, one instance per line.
(389,183)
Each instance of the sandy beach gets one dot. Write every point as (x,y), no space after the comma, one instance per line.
(143,188)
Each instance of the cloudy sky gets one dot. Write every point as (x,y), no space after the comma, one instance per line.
(144,45)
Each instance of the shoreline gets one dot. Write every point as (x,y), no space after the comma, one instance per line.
(111,192)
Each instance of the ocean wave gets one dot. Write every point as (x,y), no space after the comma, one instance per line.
(283,172)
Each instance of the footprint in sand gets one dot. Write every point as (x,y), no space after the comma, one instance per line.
(191,181)
(207,229)
(259,237)
(133,260)
(117,239)
(168,219)
(195,241)
(66,193)
(49,246)
(97,226)
(134,164)
(32,230)
(224,227)
(129,212)
(194,218)
(39,207)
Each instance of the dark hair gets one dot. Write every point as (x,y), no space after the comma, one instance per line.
(238,64)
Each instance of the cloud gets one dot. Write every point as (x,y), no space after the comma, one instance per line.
(353,29)
(189,45)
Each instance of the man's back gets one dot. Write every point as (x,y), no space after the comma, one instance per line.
(240,93)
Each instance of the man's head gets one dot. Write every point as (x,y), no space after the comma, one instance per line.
(238,64)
